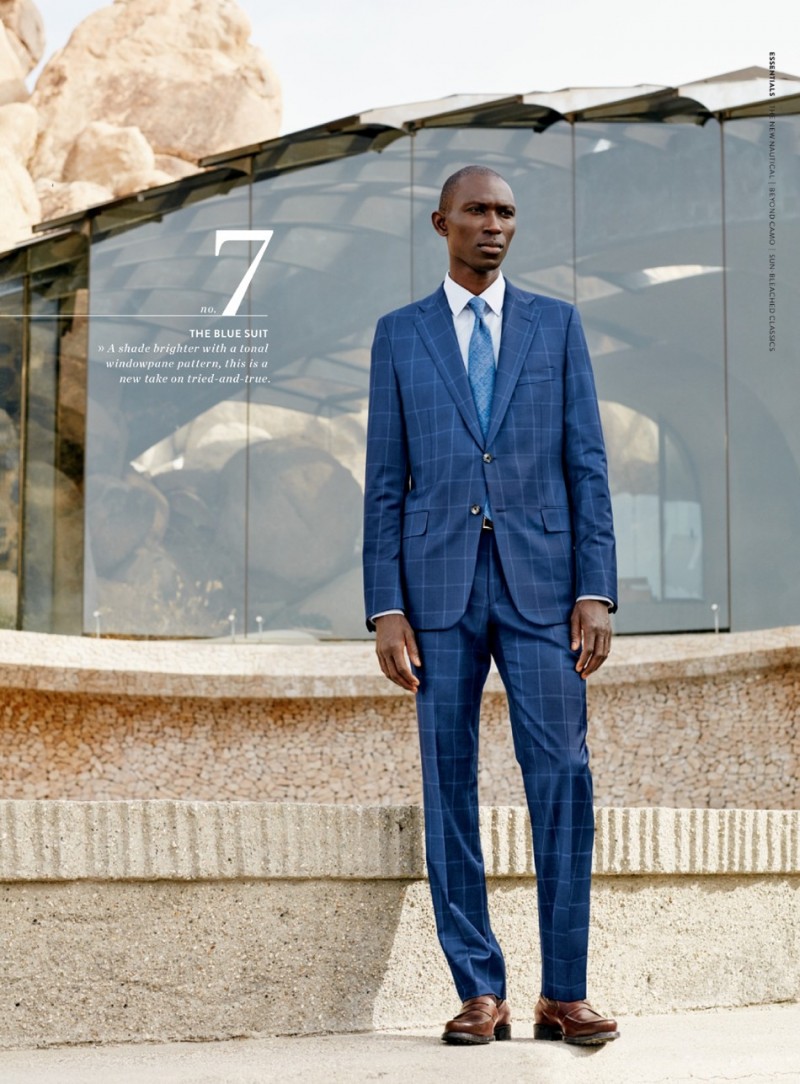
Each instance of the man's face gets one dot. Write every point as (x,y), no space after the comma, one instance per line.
(478,226)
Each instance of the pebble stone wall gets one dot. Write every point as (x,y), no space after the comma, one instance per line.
(702,721)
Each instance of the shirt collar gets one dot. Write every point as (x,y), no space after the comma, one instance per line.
(458,298)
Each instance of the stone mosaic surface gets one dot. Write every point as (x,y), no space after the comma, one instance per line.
(698,721)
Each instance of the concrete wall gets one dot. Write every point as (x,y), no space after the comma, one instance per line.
(683,720)
(126,921)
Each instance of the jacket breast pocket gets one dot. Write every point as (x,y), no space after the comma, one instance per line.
(537,375)
(415,523)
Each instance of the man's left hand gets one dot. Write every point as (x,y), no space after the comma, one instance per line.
(590,630)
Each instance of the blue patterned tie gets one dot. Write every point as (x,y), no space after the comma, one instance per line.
(480,364)
(481,372)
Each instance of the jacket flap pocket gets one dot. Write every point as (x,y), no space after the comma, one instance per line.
(534,376)
(414,523)
(556,519)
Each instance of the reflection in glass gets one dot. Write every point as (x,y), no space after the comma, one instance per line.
(11,354)
(657,511)
(683,522)
(154,564)
(650,290)
(225,481)
(340,260)
(539,169)
(237,500)
(632,447)
(55,436)
(763,369)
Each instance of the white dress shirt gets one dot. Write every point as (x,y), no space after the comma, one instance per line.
(464,318)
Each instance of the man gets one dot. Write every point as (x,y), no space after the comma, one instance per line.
(488,534)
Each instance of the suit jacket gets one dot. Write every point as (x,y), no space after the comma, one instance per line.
(429,469)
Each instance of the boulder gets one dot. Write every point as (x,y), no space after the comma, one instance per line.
(58,198)
(12,74)
(103,153)
(19,204)
(303,512)
(336,609)
(122,516)
(19,126)
(139,180)
(213,437)
(134,603)
(183,73)
(204,445)
(25,31)
(175,167)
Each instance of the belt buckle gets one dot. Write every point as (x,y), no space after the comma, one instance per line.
(487,525)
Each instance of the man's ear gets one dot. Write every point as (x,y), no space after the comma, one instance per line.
(439,223)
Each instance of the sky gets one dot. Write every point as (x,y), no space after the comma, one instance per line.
(336,59)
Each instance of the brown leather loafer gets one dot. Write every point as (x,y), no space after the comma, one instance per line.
(573,1021)
(481,1020)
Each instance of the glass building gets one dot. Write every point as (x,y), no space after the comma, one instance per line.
(183,372)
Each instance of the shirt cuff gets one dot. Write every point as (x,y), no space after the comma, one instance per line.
(597,598)
(383,613)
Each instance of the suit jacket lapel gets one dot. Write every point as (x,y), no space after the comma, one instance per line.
(435,326)
(520,318)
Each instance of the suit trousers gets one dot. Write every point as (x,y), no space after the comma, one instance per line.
(547,707)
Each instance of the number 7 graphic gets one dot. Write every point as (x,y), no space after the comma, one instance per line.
(242,235)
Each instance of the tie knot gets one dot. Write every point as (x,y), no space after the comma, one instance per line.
(478,306)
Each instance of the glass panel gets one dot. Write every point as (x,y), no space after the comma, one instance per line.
(54,437)
(339,259)
(657,508)
(12,347)
(539,169)
(764,371)
(634,481)
(650,290)
(226,426)
(159,559)
(682,536)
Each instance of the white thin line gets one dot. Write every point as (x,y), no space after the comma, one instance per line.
(128,316)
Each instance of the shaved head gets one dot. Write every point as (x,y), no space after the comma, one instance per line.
(452,183)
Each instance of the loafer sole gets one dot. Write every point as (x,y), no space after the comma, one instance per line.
(464,1038)
(554,1034)
(593,1040)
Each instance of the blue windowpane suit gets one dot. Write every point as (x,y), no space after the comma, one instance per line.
(472,595)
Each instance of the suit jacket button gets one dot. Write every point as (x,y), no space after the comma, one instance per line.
(476,509)
(487,457)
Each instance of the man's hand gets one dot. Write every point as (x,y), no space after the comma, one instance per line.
(395,646)
(590,630)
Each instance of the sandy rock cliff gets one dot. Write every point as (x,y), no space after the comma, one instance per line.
(141,91)
(24,31)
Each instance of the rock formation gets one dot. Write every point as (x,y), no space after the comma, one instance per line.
(21,47)
(24,31)
(141,91)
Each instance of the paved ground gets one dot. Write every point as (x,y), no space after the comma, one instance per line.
(757,1045)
